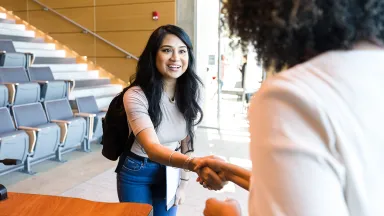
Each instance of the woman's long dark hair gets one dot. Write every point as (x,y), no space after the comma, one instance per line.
(149,79)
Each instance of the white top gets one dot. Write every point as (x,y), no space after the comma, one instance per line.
(317,138)
(172,128)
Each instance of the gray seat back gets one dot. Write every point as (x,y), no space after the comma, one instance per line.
(7,46)
(87,105)
(6,121)
(13,75)
(40,73)
(58,109)
(10,58)
(3,96)
(30,115)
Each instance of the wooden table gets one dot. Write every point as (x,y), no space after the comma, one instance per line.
(43,205)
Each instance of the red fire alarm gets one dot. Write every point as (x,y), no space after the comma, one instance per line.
(155,15)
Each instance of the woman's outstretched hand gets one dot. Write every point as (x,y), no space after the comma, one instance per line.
(211,175)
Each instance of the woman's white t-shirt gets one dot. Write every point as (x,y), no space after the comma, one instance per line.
(317,138)
(172,128)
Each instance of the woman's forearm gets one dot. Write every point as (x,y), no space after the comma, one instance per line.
(161,154)
(165,156)
(238,175)
(241,172)
(244,183)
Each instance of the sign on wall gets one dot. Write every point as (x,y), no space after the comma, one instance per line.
(211,60)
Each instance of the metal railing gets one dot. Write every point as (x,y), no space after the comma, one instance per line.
(85,30)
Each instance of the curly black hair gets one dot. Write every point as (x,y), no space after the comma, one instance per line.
(289,32)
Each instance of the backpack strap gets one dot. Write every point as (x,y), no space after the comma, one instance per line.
(129,143)
(127,149)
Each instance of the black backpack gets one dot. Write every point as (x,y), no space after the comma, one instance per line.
(115,138)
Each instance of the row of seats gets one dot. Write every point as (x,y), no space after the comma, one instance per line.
(37,120)
(39,107)
(36,84)
(35,132)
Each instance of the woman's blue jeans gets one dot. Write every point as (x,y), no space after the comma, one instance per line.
(143,181)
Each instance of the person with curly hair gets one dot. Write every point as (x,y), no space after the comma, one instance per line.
(316,125)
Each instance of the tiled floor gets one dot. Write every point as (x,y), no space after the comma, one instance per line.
(91,176)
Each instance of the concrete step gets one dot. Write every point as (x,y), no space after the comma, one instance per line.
(12,26)
(3,15)
(15,32)
(77,75)
(54,60)
(30,45)
(103,102)
(92,82)
(64,67)
(99,91)
(21,38)
(44,53)
(10,21)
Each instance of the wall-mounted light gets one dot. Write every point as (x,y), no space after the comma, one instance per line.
(155,15)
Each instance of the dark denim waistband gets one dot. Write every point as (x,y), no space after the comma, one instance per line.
(123,156)
(140,158)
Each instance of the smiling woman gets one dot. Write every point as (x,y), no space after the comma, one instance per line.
(162,109)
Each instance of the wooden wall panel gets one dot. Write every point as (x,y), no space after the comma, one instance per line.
(24,5)
(50,23)
(120,2)
(14,5)
(83,44)
(22,15)
(121,67)
(134,17)
(67,3)
(132,41)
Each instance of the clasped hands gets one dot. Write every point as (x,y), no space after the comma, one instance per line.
(214,175)
(211,171)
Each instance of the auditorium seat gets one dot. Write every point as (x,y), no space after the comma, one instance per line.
(89,105)
(3,96)
(73,128)
(44,136)
(22,90)
(10,58)
(51,89)
(13,143)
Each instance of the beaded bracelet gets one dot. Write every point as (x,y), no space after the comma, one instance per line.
(186,163)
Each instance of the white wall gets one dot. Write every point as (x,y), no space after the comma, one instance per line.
(185,17)
(207,12)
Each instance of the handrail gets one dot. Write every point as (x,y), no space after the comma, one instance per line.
(85,30)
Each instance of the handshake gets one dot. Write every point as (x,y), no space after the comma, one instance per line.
(212,172)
